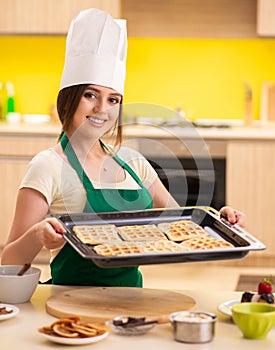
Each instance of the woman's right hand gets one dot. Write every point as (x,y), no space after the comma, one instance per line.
(30,230)
(49,232)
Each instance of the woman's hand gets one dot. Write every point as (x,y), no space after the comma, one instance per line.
(233,216)
(50,233)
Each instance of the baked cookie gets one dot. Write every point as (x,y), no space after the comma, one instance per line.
(182,230)
(113,249)
(141,233)
(96,234)
(205,242)
(122,248)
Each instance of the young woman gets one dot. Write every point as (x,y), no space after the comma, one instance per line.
(84,174)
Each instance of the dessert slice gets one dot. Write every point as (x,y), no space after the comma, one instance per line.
(264,294)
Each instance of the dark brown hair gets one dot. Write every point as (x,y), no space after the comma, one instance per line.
(67,103)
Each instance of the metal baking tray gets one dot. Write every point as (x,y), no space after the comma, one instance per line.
(206,217)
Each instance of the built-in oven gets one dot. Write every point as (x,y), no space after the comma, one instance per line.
(193,186)
(192,169)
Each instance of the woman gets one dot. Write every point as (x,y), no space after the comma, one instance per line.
(81,173)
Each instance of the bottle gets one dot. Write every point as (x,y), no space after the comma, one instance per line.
(12,116)
(180,113)
(248,111)
(10,97)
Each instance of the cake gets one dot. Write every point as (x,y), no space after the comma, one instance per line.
(264,294)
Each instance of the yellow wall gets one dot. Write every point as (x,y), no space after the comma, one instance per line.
(203,76)
(34,65)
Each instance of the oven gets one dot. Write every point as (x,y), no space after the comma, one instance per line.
(193,171)
(193,186)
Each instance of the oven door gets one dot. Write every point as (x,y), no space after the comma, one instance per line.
(191,186)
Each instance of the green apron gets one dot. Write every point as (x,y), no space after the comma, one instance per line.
(68,267)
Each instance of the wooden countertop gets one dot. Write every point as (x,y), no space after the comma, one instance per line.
(215,133)
(47,129)
(142,131)
(21,330)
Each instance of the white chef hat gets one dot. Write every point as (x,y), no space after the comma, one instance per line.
(96,49)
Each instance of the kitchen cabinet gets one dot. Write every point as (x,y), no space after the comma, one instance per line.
(15,153)
(47,16)
(154,18)
(185,18)
(250,169)
(266,18)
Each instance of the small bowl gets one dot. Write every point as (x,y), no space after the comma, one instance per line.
(193,326)
(17,289)
(134,330)
(255,320)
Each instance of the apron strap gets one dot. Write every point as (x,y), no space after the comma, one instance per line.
(69,151)
(123,164)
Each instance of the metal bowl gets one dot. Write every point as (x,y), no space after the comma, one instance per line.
(193,326)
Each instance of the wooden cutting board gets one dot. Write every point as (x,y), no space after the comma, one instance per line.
(98,304)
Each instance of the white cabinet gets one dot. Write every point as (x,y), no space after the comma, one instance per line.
(266,18)
(47,16)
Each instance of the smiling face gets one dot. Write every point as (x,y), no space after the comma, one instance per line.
(97,111)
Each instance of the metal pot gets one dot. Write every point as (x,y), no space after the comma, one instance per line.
(193,326)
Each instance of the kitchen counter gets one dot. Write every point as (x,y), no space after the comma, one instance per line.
(21,330)
(151,131)
(214,133)
(43,129)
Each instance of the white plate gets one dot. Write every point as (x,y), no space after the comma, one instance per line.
(75,341)
(14,312)
(225,308)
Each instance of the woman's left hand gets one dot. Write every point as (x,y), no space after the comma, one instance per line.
(233,216)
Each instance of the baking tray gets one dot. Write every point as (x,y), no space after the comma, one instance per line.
(206,217)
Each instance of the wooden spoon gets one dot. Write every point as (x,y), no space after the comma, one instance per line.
(24,269)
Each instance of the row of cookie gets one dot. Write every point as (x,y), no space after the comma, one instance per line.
(196,243)
(175,231)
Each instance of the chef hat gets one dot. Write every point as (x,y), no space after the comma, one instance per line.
(96,50)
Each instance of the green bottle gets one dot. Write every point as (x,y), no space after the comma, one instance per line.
(10,97)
